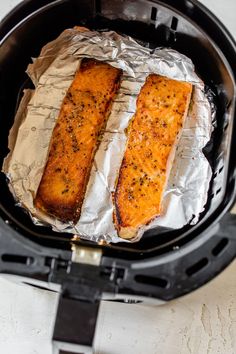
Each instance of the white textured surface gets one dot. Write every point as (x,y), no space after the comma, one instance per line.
(203,322)
(26,319)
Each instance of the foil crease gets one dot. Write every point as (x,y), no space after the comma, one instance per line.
(52,73)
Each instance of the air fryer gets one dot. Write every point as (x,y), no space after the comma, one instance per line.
(165,263)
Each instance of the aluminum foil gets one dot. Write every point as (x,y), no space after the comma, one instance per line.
(52,73)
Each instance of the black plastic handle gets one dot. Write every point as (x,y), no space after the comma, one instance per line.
(20,256)
(184,269)
(75,326)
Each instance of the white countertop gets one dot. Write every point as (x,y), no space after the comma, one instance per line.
(203,322)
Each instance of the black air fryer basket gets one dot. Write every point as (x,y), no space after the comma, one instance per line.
(163,265)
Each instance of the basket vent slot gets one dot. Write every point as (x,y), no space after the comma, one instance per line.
(218,191)
(153,281)
(221,169)
(220,247)
(15,258)
(195,268)
(154,14)
(174,23)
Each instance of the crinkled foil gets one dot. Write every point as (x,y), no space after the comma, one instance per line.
(52,73)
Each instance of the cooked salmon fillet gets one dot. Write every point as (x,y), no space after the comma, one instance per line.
(75,138)
(161,108)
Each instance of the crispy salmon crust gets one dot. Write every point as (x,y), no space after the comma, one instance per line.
(161,109)
(75,138)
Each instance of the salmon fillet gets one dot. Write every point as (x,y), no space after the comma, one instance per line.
(161,108)
(75,138)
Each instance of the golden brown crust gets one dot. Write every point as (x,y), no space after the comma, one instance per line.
(82,118)
(162,106)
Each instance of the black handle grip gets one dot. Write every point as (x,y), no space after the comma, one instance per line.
(75,326)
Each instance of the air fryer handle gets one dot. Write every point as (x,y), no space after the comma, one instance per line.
(75,326)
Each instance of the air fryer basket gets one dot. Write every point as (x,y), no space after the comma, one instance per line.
(165,263)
